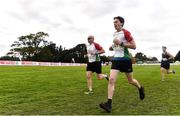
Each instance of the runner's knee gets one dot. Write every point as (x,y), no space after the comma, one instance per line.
(111,81)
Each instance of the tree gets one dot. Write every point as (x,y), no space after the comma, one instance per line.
(154,59)
(177,57)
(77,53)
(105,59)
(29,45)
(48,53)
(44,55)
(140,57)
(12,58)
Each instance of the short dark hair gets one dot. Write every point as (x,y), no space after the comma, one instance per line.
(121,19)
(90,37)
(164,47)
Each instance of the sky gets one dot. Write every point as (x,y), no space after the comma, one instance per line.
(152,23)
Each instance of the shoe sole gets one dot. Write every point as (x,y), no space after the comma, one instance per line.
(88,93)
(101,106)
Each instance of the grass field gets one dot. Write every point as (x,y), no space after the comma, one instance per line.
(60,90)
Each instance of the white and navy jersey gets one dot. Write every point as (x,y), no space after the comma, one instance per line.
(121,52)
(92,52)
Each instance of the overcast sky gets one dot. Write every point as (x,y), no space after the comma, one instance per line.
(152,23)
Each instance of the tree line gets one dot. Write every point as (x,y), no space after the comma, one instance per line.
(34,47)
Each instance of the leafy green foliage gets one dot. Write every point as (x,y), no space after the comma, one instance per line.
(29,45)
(177,57)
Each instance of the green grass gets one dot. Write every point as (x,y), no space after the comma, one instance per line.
(60,90)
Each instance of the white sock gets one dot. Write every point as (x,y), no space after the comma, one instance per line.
(104,75)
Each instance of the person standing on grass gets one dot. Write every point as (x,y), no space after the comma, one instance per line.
(94,63)
(165,63)
(121,62)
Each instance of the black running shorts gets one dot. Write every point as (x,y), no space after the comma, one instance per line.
(165,64)
(94,67)
(122,65)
